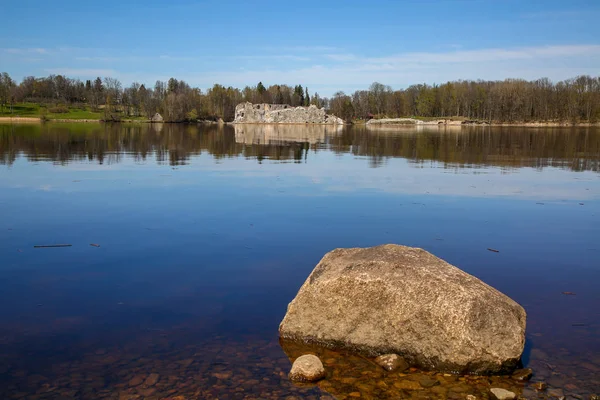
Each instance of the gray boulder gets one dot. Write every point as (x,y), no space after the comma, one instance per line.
(403,300)
(157,118)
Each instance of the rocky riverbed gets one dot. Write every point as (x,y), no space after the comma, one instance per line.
(155,368)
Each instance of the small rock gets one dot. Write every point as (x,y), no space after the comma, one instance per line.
(408,385)
(151,380)
(503,394)
(524,374)
(392,362)
(307,368)
(540,386)
(222,375)
(428,382)
(471,397)
(556,393)
(136,380)
(147,392)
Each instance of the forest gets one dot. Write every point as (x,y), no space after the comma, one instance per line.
(511,100)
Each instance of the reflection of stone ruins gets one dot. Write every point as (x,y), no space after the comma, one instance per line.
(248,113)
(277,134)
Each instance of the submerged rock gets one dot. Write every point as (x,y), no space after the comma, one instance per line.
(502,394)
(392,362)
(307,368)
(248,113)
(428,382)
(524,374)
(397,299)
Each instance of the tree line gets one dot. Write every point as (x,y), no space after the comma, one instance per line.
(510,100)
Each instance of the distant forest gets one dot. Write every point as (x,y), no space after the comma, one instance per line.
(511,100)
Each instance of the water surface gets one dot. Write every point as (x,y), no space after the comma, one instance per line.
(206,233)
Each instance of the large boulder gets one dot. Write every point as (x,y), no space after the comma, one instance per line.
(403,300)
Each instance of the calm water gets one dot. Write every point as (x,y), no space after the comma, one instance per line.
(207,233)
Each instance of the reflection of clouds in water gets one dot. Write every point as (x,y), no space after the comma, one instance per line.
(399,177)
(327,173)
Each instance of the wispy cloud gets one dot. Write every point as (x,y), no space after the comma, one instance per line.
(354,71)
(554,14)
(26,51)
(308,49)
(281,57)
(324,69)
(341,57)
(83,72)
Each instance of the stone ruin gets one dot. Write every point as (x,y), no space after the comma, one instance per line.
(248,113)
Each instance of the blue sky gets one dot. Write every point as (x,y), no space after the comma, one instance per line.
(325,45)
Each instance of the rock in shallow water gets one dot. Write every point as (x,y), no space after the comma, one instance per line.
(307,368)
(392,362)
(524,374)
(397,299)
(502,394)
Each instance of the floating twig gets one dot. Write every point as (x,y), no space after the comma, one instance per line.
(40,246)
(493,250)
(568,293)
(94,245)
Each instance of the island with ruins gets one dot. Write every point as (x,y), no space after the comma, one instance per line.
(248,113)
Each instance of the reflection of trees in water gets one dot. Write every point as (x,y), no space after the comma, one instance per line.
(574,148)
(577,148)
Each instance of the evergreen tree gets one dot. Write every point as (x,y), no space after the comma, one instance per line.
(299,94)
(278,96)
(306,97)
(261,89)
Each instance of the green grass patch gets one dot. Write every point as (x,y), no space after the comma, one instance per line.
(20,110)
(50,112)
(76,113)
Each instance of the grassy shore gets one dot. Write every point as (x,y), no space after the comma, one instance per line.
(30,112)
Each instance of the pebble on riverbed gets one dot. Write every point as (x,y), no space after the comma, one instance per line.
(307,368)
(502,394)
(392,362)
(524,374)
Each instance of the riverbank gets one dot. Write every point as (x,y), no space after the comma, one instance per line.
(370,124)
(408,122)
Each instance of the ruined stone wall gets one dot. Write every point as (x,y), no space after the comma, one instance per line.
(248,113)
